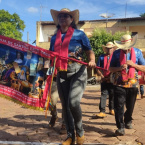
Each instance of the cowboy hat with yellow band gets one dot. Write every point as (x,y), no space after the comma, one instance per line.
(74,14)
(109,45)
(126,42)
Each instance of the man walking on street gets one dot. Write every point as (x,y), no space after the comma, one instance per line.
(106,85)
(125,63)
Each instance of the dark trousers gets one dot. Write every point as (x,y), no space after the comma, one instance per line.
(141,89)
(106,89)
(124,96)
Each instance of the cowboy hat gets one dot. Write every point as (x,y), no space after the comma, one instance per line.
(108,46)
(74,14)
(126,42)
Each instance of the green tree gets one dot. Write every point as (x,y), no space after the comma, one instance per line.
(101,37)
(142,15)
(11,25)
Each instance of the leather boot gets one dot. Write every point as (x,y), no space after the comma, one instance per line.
(80,140)
(68,141)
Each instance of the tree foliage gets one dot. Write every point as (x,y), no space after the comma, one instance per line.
(101,37)
(11,25)
(142,15)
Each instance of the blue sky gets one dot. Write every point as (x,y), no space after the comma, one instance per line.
(30,11)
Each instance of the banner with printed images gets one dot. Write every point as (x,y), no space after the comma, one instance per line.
(23,70)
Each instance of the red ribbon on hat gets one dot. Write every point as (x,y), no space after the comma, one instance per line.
(126,40)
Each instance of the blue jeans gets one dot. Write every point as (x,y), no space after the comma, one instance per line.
(71,85)
(141,89)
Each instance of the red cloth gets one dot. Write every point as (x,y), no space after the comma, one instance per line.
(107,64)
(49,79)
(61,62)
(131,72)
(47,86)
(62,48)
(141,76)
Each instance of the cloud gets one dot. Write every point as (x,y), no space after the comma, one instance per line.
(136,2)
(86,7)
(128,14)
(132,2)
(32,10)
(131,14)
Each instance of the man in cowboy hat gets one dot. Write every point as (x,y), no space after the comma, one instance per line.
(106,85)
(125,63)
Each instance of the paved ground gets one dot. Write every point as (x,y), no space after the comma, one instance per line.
(19,124)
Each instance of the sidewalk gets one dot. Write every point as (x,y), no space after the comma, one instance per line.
(26,126)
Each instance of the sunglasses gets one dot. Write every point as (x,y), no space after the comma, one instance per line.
(63,16)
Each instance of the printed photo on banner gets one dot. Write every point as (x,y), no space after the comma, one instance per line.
(22,71)
(46,63)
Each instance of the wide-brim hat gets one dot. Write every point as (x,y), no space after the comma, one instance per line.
(126,42)
(74,14)
(109,45)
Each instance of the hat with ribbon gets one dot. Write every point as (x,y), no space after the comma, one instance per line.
(126,42)
(109,45)
(74,14)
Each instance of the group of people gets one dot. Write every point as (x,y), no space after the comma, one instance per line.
(119,76)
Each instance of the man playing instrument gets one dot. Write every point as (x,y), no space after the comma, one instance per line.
(125,63)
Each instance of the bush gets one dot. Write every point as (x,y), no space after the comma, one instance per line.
(101,37)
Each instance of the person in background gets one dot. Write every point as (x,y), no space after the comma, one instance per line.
(72,76)
(125,63)
(54,117)
(140,94)
(142,91)
(54,100)
(106,85)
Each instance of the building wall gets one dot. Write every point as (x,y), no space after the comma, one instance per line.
(141,36)
(45,31)
(113,26)
(139,29)
(43,35)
